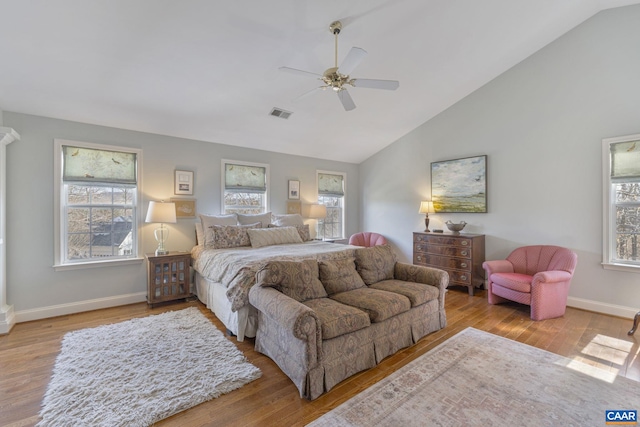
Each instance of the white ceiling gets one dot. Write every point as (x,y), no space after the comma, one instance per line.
(208,70)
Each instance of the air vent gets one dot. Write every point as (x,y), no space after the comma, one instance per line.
(279,112)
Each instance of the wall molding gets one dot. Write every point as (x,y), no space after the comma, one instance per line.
(79,307)
(604,308)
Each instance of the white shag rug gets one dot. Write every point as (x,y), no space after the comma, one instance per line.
(140,371)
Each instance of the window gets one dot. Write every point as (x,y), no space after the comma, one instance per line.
(621,168)
(97,195)
(245,187)
(331,190)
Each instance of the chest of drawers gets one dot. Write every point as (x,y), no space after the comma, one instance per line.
(460,255)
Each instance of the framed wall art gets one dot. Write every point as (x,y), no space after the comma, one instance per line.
(459,185)
(184,182)
(185,208)
(294,207)
(294,190)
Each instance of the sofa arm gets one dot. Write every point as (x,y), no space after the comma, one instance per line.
(497,266)
(296,319)
(421,274)
(554,276)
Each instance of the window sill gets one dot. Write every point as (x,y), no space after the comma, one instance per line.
(97,264)
(621,267)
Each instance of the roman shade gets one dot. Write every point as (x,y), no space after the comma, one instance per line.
(625,161)
(92,165)
(330,185)
(245,179)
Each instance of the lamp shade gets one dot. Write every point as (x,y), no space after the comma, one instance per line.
(161,212)
(426,207)
(317,211)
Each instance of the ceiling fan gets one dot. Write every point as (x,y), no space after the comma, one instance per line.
(337,78)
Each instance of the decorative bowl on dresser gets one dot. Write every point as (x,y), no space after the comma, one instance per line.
(460,255)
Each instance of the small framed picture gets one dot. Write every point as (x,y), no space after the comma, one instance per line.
(294,207)
(185,208)
(294,190)
(184,182)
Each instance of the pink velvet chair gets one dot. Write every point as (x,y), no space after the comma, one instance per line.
(538,276)
(367,239)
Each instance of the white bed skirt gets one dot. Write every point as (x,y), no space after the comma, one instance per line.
(242,323)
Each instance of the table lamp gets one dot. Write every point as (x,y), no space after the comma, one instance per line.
(318,212)
(163,213)
(426,207)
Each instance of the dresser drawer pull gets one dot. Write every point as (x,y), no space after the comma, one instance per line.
(419,258)
(464,243)
(463,265)
(463,253)
(419,247)
(463,277)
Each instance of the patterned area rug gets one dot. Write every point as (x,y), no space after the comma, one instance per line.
(480,379)
(137,372)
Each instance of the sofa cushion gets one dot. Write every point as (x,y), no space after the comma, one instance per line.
(418,293)
(379,305)
(296,279)
(515,281)
(375,263)
(337,319)
(339,275)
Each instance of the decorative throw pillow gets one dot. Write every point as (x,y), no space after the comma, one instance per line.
(303,230)
(232,236)
(339,275)
(263,218)
(296,279)
(287,220)
(273,236)
(375,263)
(208,221)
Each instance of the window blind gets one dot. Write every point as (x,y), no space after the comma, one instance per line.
(625,161)
(91,165)
(330,185)
(246,179)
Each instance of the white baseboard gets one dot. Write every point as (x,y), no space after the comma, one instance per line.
(600,307)
(78,307)
(7,319)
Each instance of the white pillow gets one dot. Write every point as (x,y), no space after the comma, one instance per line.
(246,219)
(199,234)
(273,236)
(208,221)
(287,220)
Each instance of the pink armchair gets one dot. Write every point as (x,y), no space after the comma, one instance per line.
(538,276)
(367,239)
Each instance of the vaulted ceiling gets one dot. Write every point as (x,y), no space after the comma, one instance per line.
(208,70)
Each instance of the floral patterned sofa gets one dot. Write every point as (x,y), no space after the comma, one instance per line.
(323,321)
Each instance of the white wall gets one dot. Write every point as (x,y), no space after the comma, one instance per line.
(541,125)
(36,290)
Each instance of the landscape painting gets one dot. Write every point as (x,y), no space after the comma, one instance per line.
(459,185)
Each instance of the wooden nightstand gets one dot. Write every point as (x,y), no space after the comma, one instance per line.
(460,255)
(169,277)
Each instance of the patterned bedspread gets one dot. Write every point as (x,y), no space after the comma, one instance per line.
(236,268)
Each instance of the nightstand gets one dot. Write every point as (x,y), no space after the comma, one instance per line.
(168,277)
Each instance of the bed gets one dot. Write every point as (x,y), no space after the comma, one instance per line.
(223,276)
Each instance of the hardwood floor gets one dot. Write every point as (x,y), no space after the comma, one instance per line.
(28,353)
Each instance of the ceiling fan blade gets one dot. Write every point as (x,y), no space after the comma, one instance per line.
(377,84)
(311,92)
(347,101)
(299,72)
(351,61)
